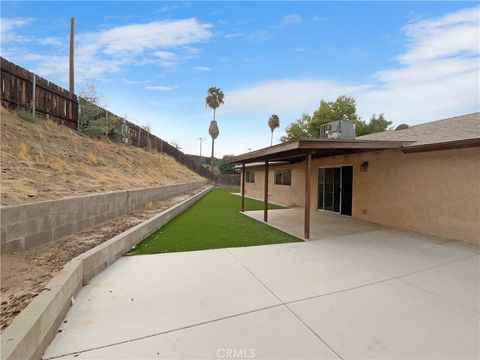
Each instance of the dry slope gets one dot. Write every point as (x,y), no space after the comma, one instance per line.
(43,161)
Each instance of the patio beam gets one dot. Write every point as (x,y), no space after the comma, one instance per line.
(308,176)
(326,147)
(265,194)
(243,187)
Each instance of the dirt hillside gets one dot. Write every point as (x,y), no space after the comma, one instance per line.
(43,161)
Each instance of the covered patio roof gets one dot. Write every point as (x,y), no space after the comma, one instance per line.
(297,149)
(306,149)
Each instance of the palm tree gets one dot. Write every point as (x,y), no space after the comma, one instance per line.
(213,100)
(273,123)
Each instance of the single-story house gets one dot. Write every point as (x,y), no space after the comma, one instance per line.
(424,178)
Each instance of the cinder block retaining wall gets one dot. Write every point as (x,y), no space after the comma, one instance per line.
(28,225)
(33,329)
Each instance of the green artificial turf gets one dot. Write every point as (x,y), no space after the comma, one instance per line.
(214,222)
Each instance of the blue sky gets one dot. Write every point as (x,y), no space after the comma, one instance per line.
(153,61)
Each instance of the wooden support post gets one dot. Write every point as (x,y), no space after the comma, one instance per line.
(265,196)
(308,179)
(243,187)
(72,45)
(34,94)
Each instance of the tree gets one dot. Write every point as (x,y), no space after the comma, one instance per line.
(213,100)
(376,124)
(343,108)
(226,168)
(273,123)
(297,129)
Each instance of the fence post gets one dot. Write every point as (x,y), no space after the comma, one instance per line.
(34,97)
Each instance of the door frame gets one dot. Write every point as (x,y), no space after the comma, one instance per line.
(341,192)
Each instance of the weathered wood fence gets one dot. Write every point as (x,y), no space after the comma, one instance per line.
(50,100)
(55,102)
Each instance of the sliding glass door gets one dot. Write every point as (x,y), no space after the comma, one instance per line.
(330,189)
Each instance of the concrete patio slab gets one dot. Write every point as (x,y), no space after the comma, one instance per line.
(323,224)
(458,281)
(273,333)
(303,274)
(142,295)
(393,252)
(378,294)
(392,320)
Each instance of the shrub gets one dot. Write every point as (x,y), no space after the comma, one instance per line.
(26,115)
(94,129)
(121,131)
(96,122)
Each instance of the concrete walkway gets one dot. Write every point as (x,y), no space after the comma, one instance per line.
(378,294)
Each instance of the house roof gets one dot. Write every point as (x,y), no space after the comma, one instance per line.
(457,132)
(452,129)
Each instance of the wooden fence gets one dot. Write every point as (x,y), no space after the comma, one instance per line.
(50,100)
(228,180)
(56,102)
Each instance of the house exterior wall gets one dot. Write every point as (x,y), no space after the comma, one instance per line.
(289,195)
(436,192)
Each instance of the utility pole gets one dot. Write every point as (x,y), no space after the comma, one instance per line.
(201,139)
(72,71)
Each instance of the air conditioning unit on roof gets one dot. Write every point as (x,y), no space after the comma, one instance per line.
(341,129)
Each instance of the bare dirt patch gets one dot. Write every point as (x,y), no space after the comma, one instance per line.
(45,161)
(25,274)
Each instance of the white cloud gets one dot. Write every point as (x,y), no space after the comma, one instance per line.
(136,38)
(233,35)
(287,96)
(434,79)
(452,34)
(291,19)
(166,55)
(134,82)
(202,68)
(436,70)
(108,51)
(166,8)
(53,41)
(162,87)
(8,25)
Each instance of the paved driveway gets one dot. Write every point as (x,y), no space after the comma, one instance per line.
(379,294)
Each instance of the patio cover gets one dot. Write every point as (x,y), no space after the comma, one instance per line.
(306,149)
(317,147)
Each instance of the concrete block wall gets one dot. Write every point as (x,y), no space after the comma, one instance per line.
(33,329)
(28,225)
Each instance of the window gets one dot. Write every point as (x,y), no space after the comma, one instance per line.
(283,177)
(249,177)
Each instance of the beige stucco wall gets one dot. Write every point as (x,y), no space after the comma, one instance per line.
(286,195)
(435,192)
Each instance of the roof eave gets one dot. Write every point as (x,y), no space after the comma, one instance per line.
(294,149)
(447,145)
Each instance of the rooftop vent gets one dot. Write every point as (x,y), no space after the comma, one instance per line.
(401,127)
